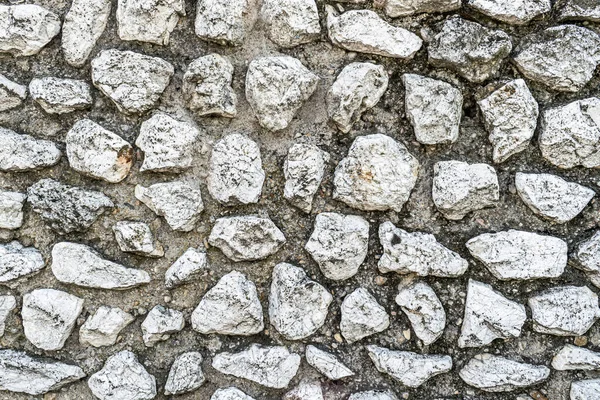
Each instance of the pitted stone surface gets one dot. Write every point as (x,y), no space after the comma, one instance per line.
(17,261)
(160,324)
(584,390)
(150,22)
(7,304)
(24,153)
(290,23)
(26,28)
(60,95)
(11,209)
(187,268)
(327,363)
(579,10)
(230,393)
(12,94)
(576,358)
(186,374)
(423,309)
(362,316)
(587,254)
(304,169)
(517,12)
(373,395)
(136,237)
(305,391)
(103,327)
(402,8)
(225,22)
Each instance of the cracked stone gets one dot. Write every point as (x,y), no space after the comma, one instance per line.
(84,24)
(225,22)
(230,393)
(17,261)
(362,316)
(579,10)
(136,237)
(423,309)
(185,375)
(26,28)
(103,327)
(150,22)
(7,304)
(290,23)
(60,95)
(11,209)
(304,169)
(585,390)
(511,11)
(305,391)
(403,8)
(187,268)
(373,395)
(12,94)
(160,324)
(25,153)
(327,364)
(576,358)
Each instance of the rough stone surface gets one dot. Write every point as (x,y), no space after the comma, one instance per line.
(290,23)
(11,209)
(576,358)
(60,95)
(26,28)
(185,375)
(7,304)
(187,268)
(587,254)
(584,390)
(327,363)
(83,25)
(517,12)
(12,94)
(136,237)
(24,153)
(225,22)
(305,391)
(423,309)
(150,22)
(304,169)
(579,10)
(373,395)
(403,8)
(362,316)
(17,261)
(103,327)
(230,393)
(160,324)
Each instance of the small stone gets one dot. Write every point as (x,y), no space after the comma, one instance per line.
(186,268)
(207,87)
(133,81)
(510,11)
(25,153)
(185,375)
(587,255)
(373,395)
(103,327)
(471,49)
(585,390)
(98,152)
(489,316)
(17,261)
(178,202)
(235,175)
(362,316)
(276,88)
(270,366)
(26,29)
(225,22)
(160,324)
(423,309)
(434,109)
(290,23)
(81,265)
(410,369)
(230,393)
(123,377)
(520,255)
(402,8)
(60,95)
(498,374)
(356,89)
(148,22)
(11,94)
(580,341)
(304,169)
(576,358)
(49,317)
(564,310)
(378,174)
(579,10)
(7,304)
(11,209)
(136,237)
(231,307)
(305,391)
(246,238)
(327,364)
(339,244)
(562,58)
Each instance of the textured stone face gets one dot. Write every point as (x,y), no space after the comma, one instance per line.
(423,309)
(587,254)
(230,393)
(587,389)
(579,10)
(576,358)
(24,153)
(186,268)
(103,327)
(148,21)
(373,395)
(7,304)
(185,375)
(84,24)
(160,324)
(11,94)
(11,209)
(517,12)
(327,363)
(136,237)
(305,391)
(224,21)
(362,316)
(26,28)
(304,169)
(290,23)
(59,95)
(402,8)
(17,261)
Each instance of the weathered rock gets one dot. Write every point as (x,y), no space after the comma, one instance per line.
(185,375)
(160,324)
(402,8)
(178,202)
(224,21)
(235,175)
(378,174)
(305,391)
(7,304)
(49,317)
(489,316)
(410,369)
(510,116)
(460,188)
(11,209)
(298,306)
(246,238)
(364,31)
(17,261)
(98,152)
(230,393)
(81,265)
(587,255)
(510,11)
(231,307)
(290,23)
(498,374)
(11,94)
(84,24)
(564,310)
(357,88)
(417,252)
(22,373)
(520,255)
(133,81)
(579,10)
(433,107)
(339,244)
(562,58)
(150,22)
(60,95)
(304,169)
(423,309)
(207,86)
(186,268)
(123,377)
(362,316)
(373,395)
(26,28)
(136,237)
(327,364)
(576,358)
(103,327)
(168,144)
(24,153)
(270,366)
(585,390)
(471,49)
(276,88)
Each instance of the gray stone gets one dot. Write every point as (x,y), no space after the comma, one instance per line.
(362,316)
(327,364)
(423,309)
(160,324)
(11,209)
(516,12)
(305,391)
(26,28)
(60,95)
(403,8)
(187,268)
(304,169)
(136,237)
(17,261)
(576,358)
(585,390)
(25,153)
(373,395)
(150,22)
(7,304)
(586,10)
(290,23)
(11,94)
(103,327)
(225,22)
(185,375)
(230,393)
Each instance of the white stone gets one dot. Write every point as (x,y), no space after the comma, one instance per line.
(160,324)
(148,21)
(289,23)
(230,393)
(11,94)
(423,309)
(327,363)
(49,317)
(576,358)
(11,209)
(25,153)
(585,390)
(362,316)
(402,8)
(7,304)
(26,28)
(103,327)
(356,89)
(136,237)
(84,24)
(433,107)
(373,395)
(339,244)
(305,391)
(60,95)
(225,22)
(276,88)
(587,254)
(579,10)
(516,12)
(186,268)
(17,261)
(304,169)
(185,375)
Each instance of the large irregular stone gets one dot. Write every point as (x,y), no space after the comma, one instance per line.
(81,265)
(378,174)
(224,21)
(403,8)
(585,390)
(357,88)
(305,391)
(564,310)
(562,58)
(12,94)
(362,316)
(235,175)
(433,107)
(276,88)
(17,261)
(246,238)
(373,395)
(304,169)
(207,86)
(11,209)
(84,24)
(510,116)
(103,327)
(60,95)
(520,255)
(123,377)
(160,324)
(26,28)
(290,23)
(230,393)
(186,268)
(417,252)
(231,307)
(511,11)
(410,369)
(178,202)
(498,374)
(489,316)
(576,358)
(185,375)
(7,304)
(133,81)
(98,152)
(339,244)
(136,237)
(150,22)
(270,366)
(579,10)
(327,364)
(22,373)
(423,309)
(364,31)
(471,49)
(49,317)
(25,153)
(168,144)
(460,188)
